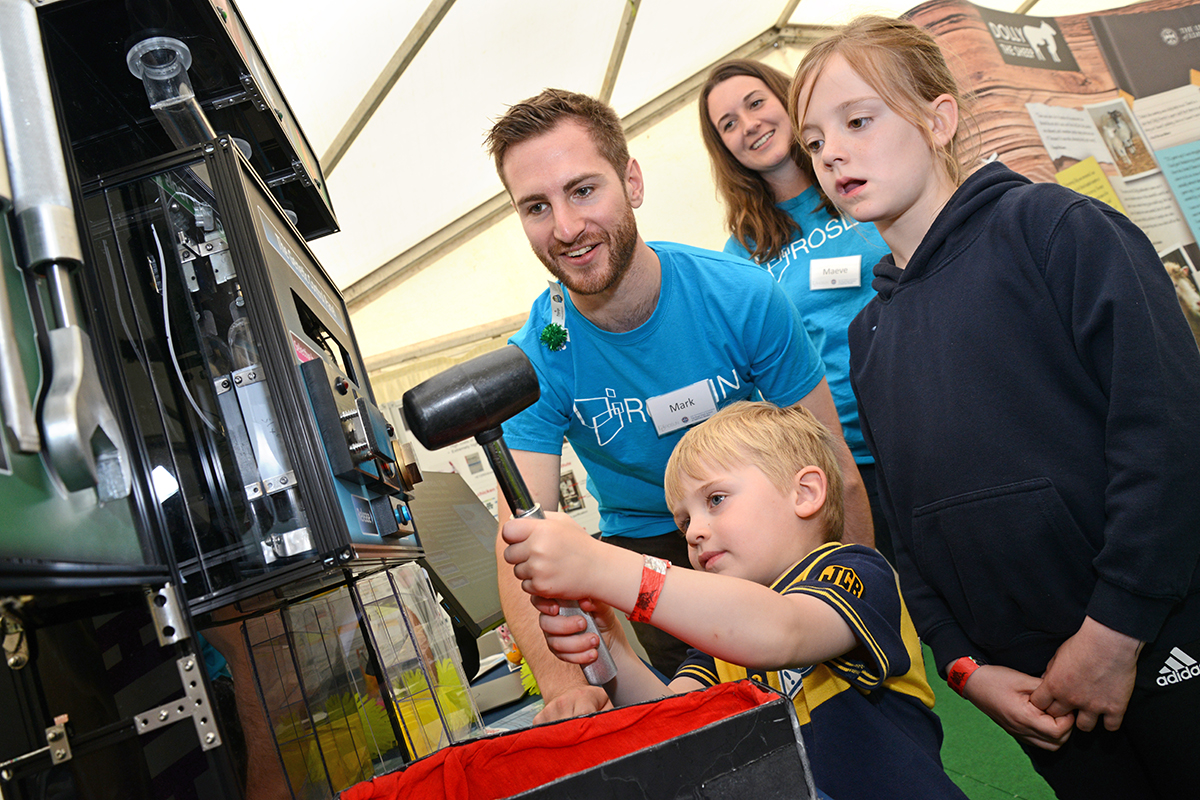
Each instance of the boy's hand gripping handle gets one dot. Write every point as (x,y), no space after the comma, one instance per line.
(603,669)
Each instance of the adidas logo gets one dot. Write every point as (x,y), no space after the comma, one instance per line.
(1179,667)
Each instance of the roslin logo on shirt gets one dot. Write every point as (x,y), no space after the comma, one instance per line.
(843,577)
(608,415)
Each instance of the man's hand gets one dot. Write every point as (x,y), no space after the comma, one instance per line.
(567,635)
(573,703)
(1091,675)
(1003,694)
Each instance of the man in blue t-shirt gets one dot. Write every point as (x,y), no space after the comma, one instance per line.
(632,346)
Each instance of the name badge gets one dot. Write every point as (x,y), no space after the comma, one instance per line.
(835,273)
(681,408)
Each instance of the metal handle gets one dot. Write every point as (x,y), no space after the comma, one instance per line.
(603,669)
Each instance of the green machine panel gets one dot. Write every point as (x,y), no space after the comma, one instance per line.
(42,521)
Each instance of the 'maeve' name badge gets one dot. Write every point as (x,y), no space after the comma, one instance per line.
(835,273)
(681,408)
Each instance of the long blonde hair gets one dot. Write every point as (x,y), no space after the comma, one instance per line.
(904,64)
(751,215)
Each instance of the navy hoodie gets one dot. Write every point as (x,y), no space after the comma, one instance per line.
(1031,394)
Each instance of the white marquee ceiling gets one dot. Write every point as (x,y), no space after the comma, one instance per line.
(417,164)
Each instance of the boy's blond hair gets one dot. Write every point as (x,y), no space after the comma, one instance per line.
(778,441)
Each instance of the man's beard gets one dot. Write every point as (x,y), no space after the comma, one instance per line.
(620,243)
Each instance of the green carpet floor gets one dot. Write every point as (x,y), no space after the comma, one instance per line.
(982,759)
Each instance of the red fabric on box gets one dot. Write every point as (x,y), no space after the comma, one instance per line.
(501,766)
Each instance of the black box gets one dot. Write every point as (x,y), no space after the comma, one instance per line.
(735,741)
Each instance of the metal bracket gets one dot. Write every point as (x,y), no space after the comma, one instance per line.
(298,173)
(249,93)
(278,483)
(189,249)
(193,704)
(249,375)
(167,613)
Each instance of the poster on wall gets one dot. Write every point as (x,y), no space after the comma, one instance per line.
(1107,104)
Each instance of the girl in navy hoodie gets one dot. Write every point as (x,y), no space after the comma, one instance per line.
(1031,394)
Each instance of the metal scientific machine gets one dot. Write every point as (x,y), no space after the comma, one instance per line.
(207,558)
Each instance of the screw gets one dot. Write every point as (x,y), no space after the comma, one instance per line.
(16,661)
(225,384)
(60,754)
(189,665)
(209,738)
(53,736)
(163,715)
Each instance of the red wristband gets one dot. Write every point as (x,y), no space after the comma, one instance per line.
(654,574)
(959,671)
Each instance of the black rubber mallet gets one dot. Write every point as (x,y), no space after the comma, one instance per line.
(472,399)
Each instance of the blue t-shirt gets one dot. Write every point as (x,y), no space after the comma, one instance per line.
(865,716)
(827,312)
(719,320)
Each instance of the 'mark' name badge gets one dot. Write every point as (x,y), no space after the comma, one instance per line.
(835,273)
(681,408)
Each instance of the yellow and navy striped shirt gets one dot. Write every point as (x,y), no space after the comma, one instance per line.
(865,716)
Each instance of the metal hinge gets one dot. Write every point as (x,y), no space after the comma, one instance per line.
(168,614)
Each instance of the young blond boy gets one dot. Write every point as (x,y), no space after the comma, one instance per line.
(773,595)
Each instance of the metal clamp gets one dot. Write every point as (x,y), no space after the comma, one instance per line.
(193,704)
(286,545)
(79,430)
(16,642)
(59,744)
(58,747)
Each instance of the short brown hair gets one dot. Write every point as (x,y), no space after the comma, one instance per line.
(778,441)
(904,64)
(540,115)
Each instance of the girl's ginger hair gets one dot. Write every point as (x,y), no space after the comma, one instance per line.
(904,64)
(751,214)
(778,441)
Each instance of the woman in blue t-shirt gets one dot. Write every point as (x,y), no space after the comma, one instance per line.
(778,218)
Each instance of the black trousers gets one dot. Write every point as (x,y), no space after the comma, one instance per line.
(1153,754)
(665,652)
